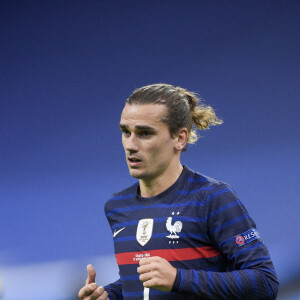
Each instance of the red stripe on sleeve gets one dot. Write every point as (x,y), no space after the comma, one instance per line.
(168,254)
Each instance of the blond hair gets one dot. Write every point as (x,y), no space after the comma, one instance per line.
(185,108)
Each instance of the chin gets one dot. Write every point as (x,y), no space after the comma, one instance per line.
(138,174)
(135,173)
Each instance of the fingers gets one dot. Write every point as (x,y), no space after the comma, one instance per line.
(148,264)
(146,277)
(87,290)
(151,283)
(157,273)
(150,279)
(93,292)
(147,260)
(145,270)
(91,274)
(104,295)
(99,294)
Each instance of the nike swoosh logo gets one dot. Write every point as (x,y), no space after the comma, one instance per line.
(118,231)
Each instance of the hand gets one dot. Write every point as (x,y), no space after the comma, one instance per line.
(91,291)
(156,272)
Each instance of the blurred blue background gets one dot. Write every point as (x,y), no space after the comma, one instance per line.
(67,68)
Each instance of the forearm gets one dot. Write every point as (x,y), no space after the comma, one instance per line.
(240,284)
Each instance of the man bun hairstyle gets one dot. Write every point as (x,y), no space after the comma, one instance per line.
(185,108)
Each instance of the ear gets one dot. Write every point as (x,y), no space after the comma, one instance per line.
(181,139)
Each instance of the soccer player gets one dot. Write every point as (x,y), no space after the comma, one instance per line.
(177,233)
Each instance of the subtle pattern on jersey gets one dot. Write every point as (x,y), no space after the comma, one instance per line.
(195,224)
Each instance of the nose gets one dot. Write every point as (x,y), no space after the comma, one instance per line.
(130,143)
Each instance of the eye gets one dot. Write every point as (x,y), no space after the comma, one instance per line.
(145,134)
(125,132)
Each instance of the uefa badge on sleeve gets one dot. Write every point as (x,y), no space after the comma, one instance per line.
(239,240)
(247,237)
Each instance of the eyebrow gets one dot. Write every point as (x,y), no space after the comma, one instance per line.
(138,127)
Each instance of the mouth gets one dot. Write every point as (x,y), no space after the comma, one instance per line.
(133,161)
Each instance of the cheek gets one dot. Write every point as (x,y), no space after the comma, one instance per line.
(152,153)
(162,152)
(156,154)
(124,142)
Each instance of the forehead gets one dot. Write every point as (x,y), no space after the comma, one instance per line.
(143,114)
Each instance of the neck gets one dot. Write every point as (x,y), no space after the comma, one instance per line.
(153,187)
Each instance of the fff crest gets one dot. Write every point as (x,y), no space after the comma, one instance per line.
(144,231)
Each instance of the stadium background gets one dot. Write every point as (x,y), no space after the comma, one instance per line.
(66,70)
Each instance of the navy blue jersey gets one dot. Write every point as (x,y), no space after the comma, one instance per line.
(200,226)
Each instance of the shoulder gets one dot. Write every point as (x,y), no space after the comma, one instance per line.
(198,179)
(210,189)
(125,194)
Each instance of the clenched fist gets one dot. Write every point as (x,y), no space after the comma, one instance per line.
(157,273)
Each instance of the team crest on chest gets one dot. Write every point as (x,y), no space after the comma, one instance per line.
(173,228)
(144,231)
